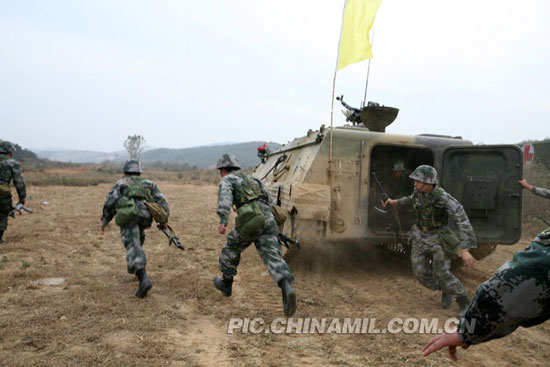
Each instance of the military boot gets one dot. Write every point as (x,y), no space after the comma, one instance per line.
(224,284)
(446,300)
(463,303)
(131,270)
(289,297)
(144,283)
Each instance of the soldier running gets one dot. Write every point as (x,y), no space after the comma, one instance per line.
(133,190)
(240,189)
(433,208)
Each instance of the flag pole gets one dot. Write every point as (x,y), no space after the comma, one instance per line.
(331,118)
(368,71)
(334,87)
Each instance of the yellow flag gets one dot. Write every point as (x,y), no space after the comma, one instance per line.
(354,39)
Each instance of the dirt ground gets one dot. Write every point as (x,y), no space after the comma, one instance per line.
(94,318)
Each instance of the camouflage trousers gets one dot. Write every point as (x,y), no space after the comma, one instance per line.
(133,238)
(431,265)
(5,208)
(268,248)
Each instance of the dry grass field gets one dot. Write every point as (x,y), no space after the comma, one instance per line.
(94,319)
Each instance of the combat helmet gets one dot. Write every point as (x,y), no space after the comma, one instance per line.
(228,161)
(6,147)
(132,166)
(425,173)
(398,165)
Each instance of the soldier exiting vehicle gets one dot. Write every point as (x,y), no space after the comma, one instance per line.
(254,223)
(433,240)
(130,199)
(9,170)
(398,184)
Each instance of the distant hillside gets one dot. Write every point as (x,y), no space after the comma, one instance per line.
(200,157)
(207,156)
(80,156)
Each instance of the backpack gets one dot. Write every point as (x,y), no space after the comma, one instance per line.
(126,211)
(126,208)
(250,219)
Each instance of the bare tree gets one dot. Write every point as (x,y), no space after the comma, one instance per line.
(134,144)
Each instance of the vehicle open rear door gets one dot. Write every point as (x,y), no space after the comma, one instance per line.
(485,180)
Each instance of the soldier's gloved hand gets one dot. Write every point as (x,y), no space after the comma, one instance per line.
(468,259)
(222,228)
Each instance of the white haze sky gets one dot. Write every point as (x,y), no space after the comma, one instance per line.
(86,74)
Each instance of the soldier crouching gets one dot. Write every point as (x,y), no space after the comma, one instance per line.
(254,223)
(127,200)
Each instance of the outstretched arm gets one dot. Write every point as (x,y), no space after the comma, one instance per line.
(444,340)
(539,191)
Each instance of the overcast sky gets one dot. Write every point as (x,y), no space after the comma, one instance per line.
(86,74)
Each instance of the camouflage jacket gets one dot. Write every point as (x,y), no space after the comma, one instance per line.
(117,191)
(545,193)
(518,294)
(449,207)
(226,197)
(11,170)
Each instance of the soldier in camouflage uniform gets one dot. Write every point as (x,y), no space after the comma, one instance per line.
(9,170)
(433,208)
(231,186)
(518,294)
(398,184)
(133,235)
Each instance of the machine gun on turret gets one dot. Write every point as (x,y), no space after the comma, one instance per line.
(352,114)
(372,116)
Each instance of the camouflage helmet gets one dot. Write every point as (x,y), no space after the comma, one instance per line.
(398,165)
(132,166)
(6,147)
(228,161)
(425,173)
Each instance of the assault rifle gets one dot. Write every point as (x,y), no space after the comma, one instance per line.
(171,234)
(394,213)
(17,208)
(287,241)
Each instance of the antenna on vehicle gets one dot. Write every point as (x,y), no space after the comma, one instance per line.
(368,72)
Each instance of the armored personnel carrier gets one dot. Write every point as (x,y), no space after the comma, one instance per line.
(331,182)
